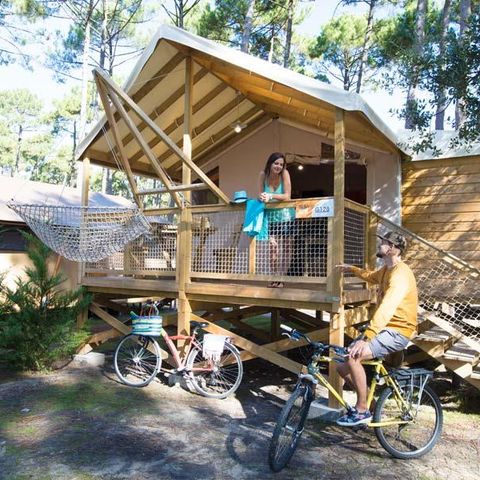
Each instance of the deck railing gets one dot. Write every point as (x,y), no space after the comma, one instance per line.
(296,251)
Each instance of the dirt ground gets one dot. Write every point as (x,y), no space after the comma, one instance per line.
(81,424)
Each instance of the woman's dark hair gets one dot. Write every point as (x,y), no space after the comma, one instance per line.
(274,156)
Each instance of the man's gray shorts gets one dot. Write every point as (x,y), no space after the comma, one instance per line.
(387,341)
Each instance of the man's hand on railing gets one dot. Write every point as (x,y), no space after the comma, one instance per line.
(344,267)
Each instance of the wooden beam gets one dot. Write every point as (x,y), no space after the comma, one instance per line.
(83,315)
(209,150)
(158,110)
(175,188)
(213,147)
(148,153)
(241,79)
(337,325)
(99,156)
(116,135)
(158,77)
(285,344)
(179,121)
(252,347)
(226,110)
(119,326)
(184,247)
(164,137)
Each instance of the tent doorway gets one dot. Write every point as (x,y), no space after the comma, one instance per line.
(317,181)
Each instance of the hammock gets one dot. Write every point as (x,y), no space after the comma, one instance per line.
(83,234)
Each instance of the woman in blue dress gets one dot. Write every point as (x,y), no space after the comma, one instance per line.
(275,186)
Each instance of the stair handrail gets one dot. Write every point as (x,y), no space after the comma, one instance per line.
(454,258)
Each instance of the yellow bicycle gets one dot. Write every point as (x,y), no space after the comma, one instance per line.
(407,418)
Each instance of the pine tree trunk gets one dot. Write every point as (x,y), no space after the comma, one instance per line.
(366,40)
(85,71)
(465,12)
(288,34)
(17,154)
(441,96)
(422,6)
(179,13)
(247,27)
(272,44)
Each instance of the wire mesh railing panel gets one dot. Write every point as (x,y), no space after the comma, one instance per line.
(447,287)
(295,248)
(218,244)
(154,252)
(355,234)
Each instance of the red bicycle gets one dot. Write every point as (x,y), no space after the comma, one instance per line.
(138,358)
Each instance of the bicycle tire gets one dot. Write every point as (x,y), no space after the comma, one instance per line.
(416,438)
(135,364)
(225,377)
(289,427)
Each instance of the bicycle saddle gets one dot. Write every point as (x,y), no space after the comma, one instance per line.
(198,324)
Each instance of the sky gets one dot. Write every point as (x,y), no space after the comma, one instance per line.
(40,80)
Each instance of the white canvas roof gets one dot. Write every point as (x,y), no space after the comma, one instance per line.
(228,85)
(441,140)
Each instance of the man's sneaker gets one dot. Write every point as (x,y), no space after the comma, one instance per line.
(355,418)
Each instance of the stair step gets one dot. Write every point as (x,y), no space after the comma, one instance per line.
(461,352)
(434,334)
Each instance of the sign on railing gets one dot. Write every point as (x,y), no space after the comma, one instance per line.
(315,208)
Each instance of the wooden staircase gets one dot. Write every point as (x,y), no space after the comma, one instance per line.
(449,299)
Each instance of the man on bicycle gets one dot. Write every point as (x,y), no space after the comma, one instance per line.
(392,325)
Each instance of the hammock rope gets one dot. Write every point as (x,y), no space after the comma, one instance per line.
(83,234)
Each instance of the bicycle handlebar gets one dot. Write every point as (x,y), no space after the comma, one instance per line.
(296,335)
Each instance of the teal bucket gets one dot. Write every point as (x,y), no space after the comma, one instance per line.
(150,325)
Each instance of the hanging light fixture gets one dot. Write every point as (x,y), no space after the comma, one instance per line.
(238,126)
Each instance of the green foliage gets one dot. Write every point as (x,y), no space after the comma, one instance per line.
(24,142)
(113,35)
(339,48)
(224,21)
(38,317)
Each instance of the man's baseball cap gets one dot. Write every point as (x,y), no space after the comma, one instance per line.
(396,239)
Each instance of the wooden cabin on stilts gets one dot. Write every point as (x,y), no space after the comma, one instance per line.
(202,119)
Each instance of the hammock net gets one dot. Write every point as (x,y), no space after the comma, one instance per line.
(83,234)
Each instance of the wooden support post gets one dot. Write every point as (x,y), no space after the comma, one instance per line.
(337,323)
(252,255)
(372,240)
(372,255)
(185,239)
(83,315)
(275,325)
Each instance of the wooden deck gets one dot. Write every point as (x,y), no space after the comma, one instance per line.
(307,296)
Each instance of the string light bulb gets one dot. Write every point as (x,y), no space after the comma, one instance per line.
(237,127)
(300,167)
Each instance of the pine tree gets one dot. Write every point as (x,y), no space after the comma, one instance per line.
(37,317)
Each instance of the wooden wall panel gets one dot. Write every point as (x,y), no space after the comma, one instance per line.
(441,203)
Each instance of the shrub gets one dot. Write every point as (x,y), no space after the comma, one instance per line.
(38,317)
